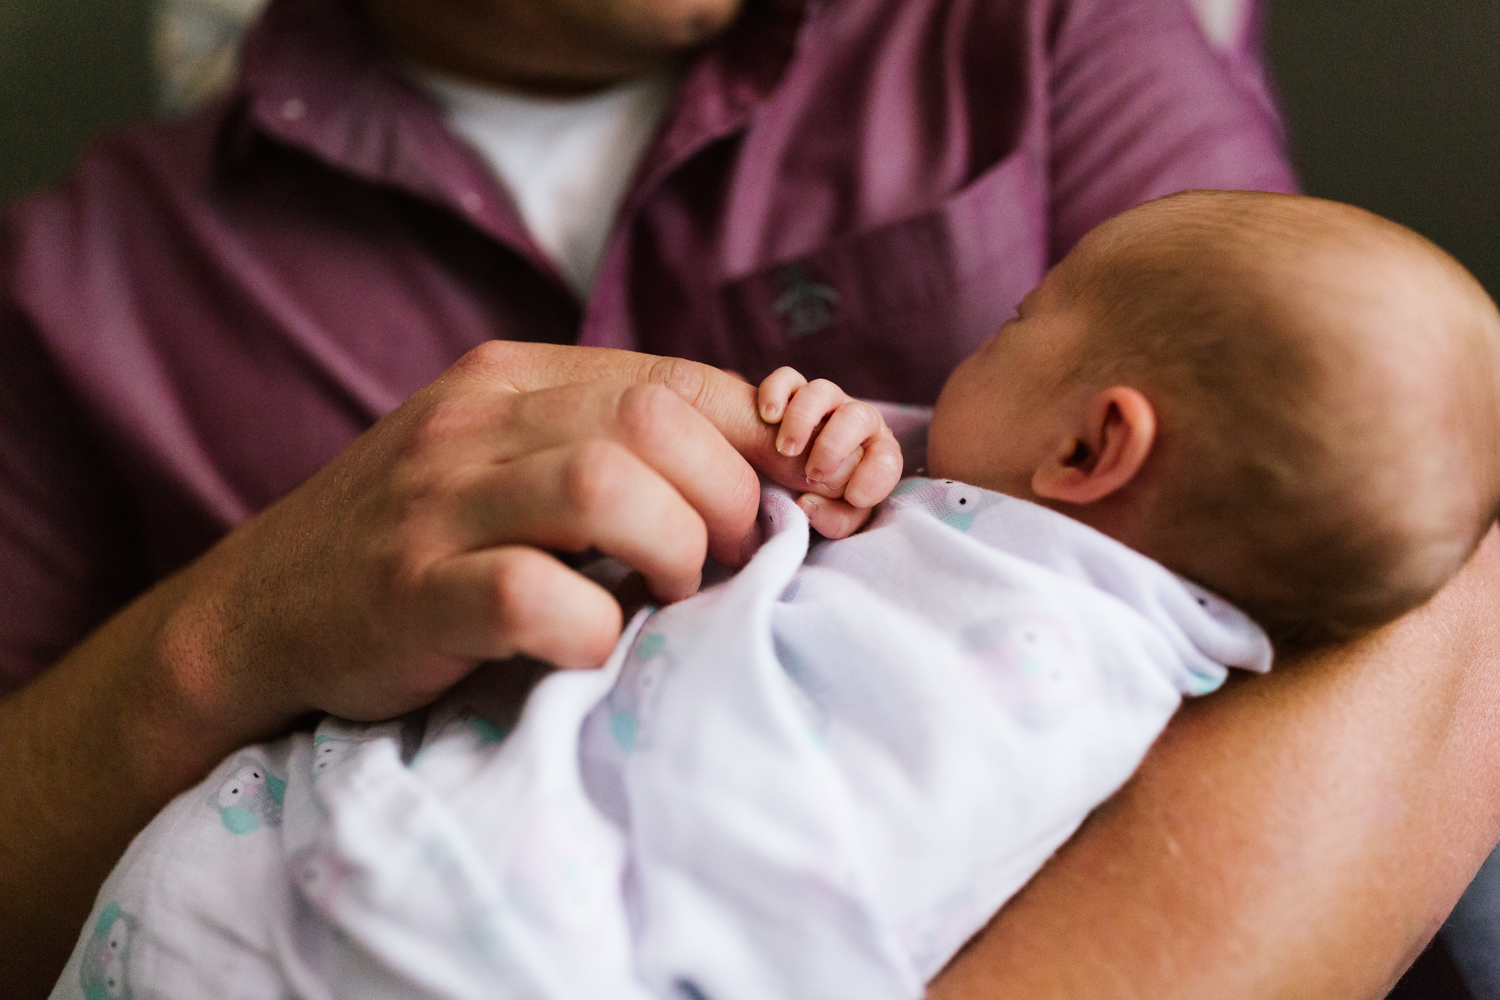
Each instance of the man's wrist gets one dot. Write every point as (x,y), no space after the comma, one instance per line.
(95,746)
(186,686)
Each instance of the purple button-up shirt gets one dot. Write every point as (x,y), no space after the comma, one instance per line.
(208,311)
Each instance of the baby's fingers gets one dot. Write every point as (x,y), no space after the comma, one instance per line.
(805,412)
(878,472)
(832,518)
(837,451)
(774,392)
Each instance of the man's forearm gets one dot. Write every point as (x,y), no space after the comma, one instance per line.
(91,751)
(1298,835)
(367,592)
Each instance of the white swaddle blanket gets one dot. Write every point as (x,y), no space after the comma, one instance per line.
(818,779)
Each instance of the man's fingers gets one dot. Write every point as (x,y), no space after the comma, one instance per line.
(832,518)
(776,390)
(727,402)
(594,494)
(658,427)
(499,602)
(730,405)
(523,367)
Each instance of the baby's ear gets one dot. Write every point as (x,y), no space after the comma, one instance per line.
(1103,452)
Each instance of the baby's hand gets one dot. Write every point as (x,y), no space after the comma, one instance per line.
(853,461)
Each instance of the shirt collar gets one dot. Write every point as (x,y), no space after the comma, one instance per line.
(316,77)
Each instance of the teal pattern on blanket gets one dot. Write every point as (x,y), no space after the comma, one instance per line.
(104,974)
(631,696)
(487,731)
(623,727)
(331,751)
(955,504)
(251,798)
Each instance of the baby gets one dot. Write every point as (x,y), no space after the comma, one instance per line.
(822,776)
(1291,401)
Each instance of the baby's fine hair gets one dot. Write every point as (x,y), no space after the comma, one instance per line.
(1281,485)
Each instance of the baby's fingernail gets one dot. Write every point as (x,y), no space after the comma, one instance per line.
(809,504)
(769,413)
(787,448)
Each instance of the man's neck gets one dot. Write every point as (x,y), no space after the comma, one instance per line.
(513,46)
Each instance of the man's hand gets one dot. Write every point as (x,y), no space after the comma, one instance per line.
(852,456)
(420,551)
(371,589)
(736,409)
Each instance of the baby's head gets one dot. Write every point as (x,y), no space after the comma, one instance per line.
(1294,402)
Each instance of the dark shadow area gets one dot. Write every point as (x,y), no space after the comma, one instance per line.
(69,69)
(1432,977)
(1395,106)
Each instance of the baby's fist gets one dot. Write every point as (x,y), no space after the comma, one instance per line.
(853,460)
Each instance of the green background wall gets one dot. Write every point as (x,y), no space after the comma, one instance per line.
(1393,104)
(68,70)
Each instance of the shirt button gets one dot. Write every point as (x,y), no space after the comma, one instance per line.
(293,109)
(472,202)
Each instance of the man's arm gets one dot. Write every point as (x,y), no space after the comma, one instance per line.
(369,591)
(1302,834)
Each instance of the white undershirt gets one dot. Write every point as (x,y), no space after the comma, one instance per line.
(565,160)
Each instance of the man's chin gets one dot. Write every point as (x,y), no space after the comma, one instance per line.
(664,27)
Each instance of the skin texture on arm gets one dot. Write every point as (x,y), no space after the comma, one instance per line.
(370,590)
(1302,834)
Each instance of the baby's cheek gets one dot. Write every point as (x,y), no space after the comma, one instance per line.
(944,447)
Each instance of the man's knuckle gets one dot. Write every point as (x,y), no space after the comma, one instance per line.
(491,359)
(595,478)
(646,412)
(444,422)
(682,378)
(514,593)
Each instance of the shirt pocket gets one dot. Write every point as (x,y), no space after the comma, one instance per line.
(888,312)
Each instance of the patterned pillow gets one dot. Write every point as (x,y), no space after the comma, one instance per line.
(197,40)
